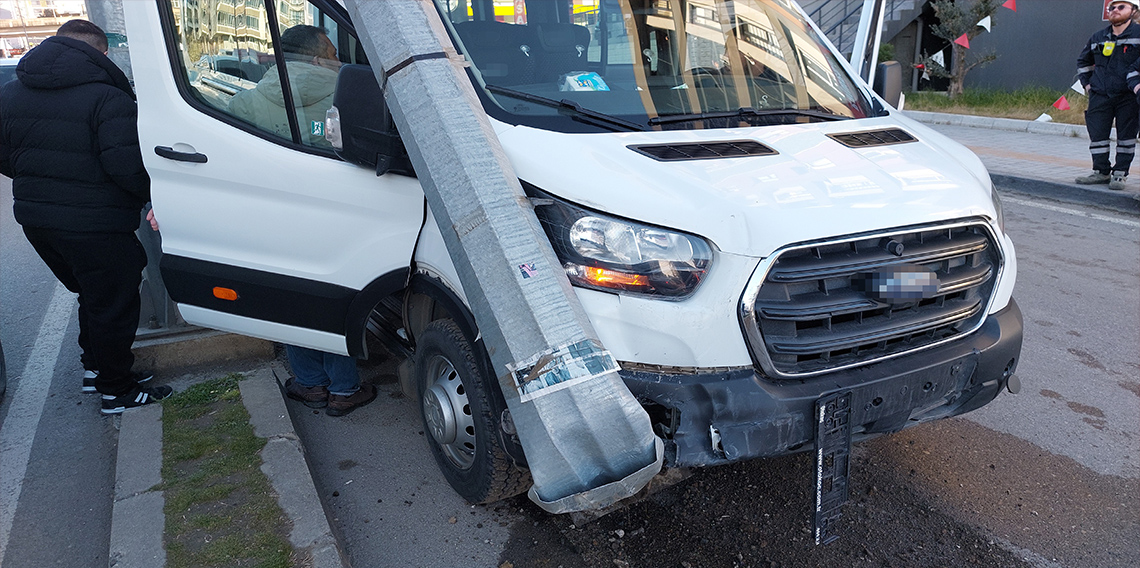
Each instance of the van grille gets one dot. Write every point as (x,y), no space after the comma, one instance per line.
(808,314)
(706,151)
(873,138)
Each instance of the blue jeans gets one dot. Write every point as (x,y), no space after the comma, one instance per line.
(316,368)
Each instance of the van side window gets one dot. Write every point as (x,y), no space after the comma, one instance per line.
(229,52)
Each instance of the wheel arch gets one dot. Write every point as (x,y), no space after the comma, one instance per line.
(429,298)
(361,307)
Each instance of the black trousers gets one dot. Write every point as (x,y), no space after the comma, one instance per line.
(105,269)
(1103,111)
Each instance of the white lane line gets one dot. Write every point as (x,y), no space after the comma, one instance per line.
(1077,212)
(27,405)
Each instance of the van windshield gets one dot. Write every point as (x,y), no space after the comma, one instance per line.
(657,64)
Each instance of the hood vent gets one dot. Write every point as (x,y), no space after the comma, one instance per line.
(873,138)
(705,151)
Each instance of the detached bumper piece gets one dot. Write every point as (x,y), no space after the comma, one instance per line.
(715,416)
(832,464)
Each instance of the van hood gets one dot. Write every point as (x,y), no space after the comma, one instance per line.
(813,188)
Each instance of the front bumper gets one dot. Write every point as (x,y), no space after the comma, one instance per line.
(709,418)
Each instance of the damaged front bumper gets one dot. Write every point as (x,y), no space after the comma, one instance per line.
(714,417)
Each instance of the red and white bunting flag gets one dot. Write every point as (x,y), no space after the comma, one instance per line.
(963,41)
(1062,103)
(1011,4)
(985,23)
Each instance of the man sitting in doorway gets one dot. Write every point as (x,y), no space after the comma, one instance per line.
(312,65)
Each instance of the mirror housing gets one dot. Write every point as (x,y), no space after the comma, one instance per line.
(361,121)
(888,82)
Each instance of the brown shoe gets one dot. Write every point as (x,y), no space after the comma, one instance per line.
(312,397)
(340,405)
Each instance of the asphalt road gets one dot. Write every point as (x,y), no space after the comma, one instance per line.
(57,453)
(1048,477)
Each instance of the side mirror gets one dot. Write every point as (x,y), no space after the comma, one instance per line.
(359,125)
(888,82)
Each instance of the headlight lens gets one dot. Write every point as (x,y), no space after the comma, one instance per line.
(607,253)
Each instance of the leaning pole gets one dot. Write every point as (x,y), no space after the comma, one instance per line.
(587,440)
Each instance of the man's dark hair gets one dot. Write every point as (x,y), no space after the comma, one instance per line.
(304,40)
(85,32)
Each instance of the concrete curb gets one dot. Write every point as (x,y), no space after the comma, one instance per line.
(1011,124)
(1120,201)
(137,519)
(283,462)
(197,347)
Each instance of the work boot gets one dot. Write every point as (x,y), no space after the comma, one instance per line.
(1117,182)
(312,397)
(339,405)
(1093,178)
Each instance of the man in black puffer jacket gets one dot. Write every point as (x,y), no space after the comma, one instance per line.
(69,141)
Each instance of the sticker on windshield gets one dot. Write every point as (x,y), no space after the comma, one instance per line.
(583,82)
(317,128)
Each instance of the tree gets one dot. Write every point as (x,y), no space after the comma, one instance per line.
(957,17)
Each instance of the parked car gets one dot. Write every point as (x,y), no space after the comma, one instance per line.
(748,226)
(8,69)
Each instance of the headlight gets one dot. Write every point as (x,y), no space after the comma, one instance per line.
(615,255)
(997,208)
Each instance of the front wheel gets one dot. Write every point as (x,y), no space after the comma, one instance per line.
(459,421)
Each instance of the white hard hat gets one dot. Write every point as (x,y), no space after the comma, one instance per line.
(1135,3)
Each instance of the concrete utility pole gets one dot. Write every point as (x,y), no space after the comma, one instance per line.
(587,440)
(108,14)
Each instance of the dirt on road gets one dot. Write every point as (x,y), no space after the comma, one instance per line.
(919,498)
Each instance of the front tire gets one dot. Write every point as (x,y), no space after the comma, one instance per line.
(459,422)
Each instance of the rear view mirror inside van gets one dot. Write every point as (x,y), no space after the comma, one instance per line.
(367,134)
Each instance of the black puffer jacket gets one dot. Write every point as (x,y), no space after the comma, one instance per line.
(69,139)
(1107,75)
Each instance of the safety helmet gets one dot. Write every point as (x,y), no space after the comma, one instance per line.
(1135,3)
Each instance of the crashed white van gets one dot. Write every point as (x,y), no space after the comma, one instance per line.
(748,226)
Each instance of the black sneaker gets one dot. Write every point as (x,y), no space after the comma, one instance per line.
(137,397)
(89,380)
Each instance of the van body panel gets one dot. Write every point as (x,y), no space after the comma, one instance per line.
(258,204)
(754,205)
(293,335)
(699,331)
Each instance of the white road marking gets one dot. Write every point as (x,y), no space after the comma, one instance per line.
(1077,212)
(27,405)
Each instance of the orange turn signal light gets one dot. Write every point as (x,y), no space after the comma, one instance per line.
(225,293)
(602,277)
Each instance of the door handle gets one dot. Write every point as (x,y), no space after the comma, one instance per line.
(172,154)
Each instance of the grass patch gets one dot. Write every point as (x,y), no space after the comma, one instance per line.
(1026,104)
(220,508)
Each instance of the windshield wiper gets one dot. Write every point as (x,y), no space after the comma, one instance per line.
(578,111)
(744,112)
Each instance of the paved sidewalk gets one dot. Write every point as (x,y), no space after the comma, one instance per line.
(1044,162)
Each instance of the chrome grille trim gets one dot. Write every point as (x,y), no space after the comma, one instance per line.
(817,286)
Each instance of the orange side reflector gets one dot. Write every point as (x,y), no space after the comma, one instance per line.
(225,294)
